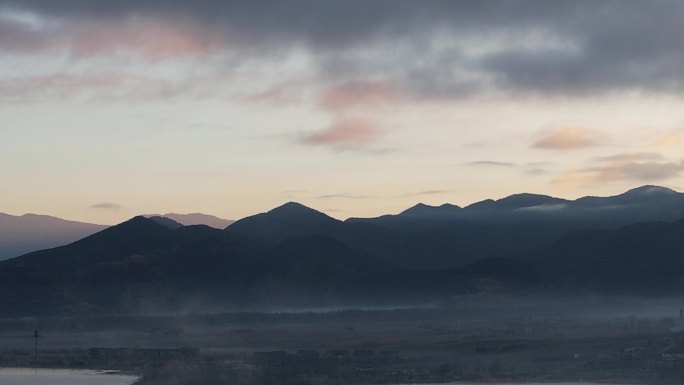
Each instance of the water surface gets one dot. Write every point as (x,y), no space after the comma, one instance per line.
(22,376)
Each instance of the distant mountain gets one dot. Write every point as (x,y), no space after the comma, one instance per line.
(22,234)
(521,223)
(637,205)
(643,258)
(196,219)
(166,222)
(144,266)
(427,211)
(515,202)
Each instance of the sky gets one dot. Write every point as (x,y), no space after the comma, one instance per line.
(109,109)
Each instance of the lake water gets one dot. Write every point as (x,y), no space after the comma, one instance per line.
(62,377)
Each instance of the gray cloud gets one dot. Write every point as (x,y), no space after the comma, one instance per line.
(431,48)
(630,157)
(640,167)
(106,206)
(536,171)
(638,171)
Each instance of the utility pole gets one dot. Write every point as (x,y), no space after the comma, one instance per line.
(35,347)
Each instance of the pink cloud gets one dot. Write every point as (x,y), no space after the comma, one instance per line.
(64,84)
(147,38)
(569,138)
(361,95)
(280,95)
(347,133)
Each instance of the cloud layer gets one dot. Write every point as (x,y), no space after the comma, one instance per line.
(430,48)
(630,167)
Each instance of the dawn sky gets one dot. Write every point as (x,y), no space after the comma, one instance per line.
(109,109)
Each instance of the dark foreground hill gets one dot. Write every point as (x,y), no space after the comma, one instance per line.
(642,259)
(144,266)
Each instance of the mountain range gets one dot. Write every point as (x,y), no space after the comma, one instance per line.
(295,257)
(521,223)
(30,232)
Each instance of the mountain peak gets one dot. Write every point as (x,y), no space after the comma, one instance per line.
(484,204)
(285,221)
(528,200)
(294,208)
(650,190)
(515,202)
(422,209)
(137,223)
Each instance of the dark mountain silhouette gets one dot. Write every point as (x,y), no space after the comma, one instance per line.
(643,258)
(30,232)
(295,256)
(515,202)
(640,196)
(423,210)
(166,222)
(521,223)
(196,219)
(285,221)
(142,266)
(294,219)
(136,235)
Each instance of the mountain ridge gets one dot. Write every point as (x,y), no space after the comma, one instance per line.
(191,219)
(295,255)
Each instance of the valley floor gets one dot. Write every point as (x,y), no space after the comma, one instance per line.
(358,347)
